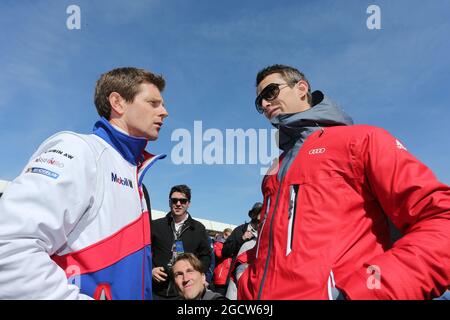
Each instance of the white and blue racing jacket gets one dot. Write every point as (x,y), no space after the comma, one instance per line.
(74,225)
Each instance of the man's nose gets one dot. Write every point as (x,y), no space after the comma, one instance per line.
(164,113)
(265,104)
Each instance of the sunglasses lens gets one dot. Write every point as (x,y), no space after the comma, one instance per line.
(258,104)
(175,200)
(269,93)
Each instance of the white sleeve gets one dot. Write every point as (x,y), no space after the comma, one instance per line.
(38,211)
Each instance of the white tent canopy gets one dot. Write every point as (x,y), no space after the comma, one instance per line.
(3,185)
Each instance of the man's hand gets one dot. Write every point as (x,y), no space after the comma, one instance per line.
(158,274)
(247,235)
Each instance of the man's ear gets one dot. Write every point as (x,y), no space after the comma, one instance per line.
(117,103)
(303,88)
(204,279)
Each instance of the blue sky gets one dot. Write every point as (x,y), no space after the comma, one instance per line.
(209,52)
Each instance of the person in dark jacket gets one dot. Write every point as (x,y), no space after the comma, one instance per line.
(212,265)
(242,233)
(172,235)
(190,279)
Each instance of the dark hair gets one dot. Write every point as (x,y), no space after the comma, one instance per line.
(182,188)
(124,81)
(192,259)
(289,74)
(255,210)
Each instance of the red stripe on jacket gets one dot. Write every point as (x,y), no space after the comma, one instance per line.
(110,250)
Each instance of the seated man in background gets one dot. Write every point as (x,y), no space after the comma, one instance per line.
(190,279)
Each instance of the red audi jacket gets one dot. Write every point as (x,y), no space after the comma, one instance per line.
(222,265)
(325,223)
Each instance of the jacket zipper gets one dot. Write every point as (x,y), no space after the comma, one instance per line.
(263,278)
(142,201)
(291,221)
(331,284)
(263,224)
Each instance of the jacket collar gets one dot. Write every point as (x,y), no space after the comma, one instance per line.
(187,222)
(131,148)
(295,126)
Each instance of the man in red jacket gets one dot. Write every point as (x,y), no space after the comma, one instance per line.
(324,232)
(222,263)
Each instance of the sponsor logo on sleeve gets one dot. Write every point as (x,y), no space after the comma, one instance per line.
(123,181)
(44,172)
(50,161)
(64,154)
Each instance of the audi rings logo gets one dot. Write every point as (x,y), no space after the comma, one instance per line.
(317,151)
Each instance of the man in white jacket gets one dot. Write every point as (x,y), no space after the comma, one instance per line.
(74,224)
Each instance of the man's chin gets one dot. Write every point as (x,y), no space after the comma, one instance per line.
(190,295)
(274,115)
(151,134)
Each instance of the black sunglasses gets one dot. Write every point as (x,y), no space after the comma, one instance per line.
(269,93)
(182,200)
